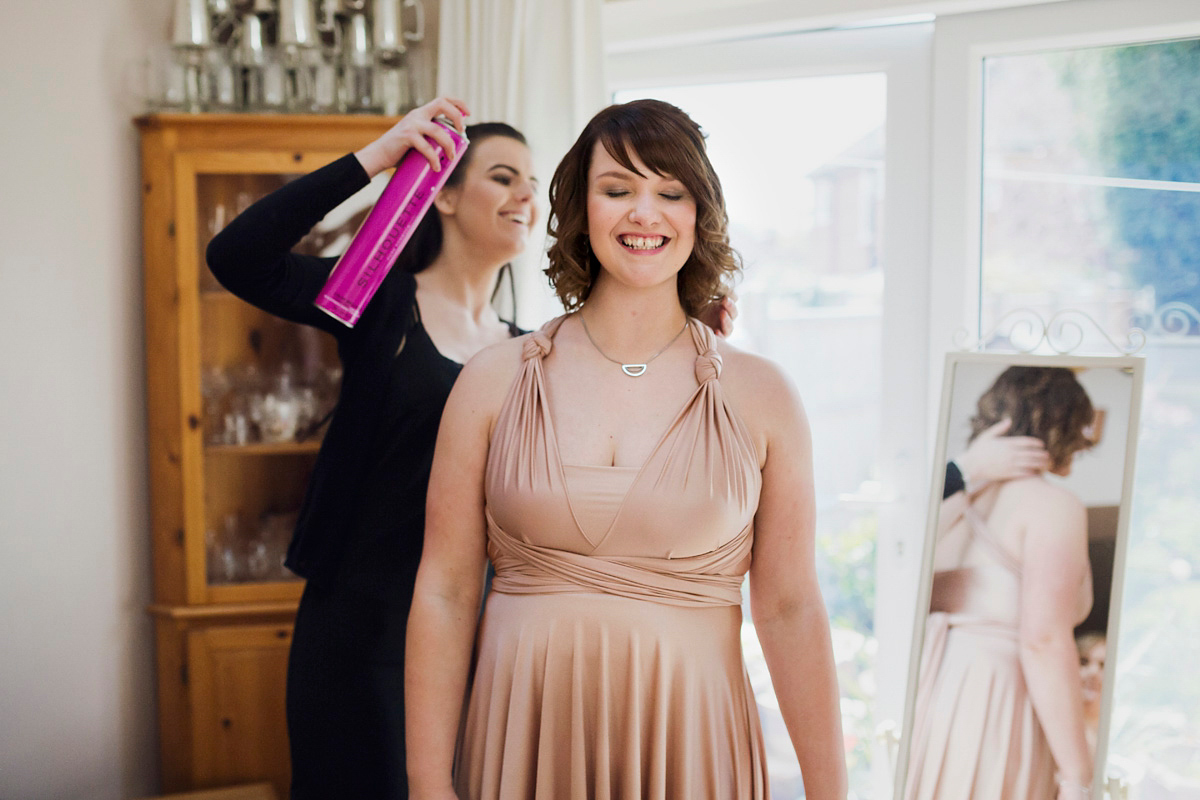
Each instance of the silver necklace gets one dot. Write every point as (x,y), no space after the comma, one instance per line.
(632,370)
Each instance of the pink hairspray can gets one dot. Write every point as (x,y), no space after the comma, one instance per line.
(385,231)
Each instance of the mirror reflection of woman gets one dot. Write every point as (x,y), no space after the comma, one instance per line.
(999,709)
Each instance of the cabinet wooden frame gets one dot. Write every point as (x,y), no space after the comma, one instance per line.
(193,616)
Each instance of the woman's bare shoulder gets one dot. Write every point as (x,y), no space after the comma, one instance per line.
(1037,497)
(742,370)
(492,369)
(761,393)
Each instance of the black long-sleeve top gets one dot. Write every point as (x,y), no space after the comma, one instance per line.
(362,520)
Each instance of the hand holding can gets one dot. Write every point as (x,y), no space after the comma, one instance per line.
(389,225)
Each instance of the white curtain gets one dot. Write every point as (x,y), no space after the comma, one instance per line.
(539,66)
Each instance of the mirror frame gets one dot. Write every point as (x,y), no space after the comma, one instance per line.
(1135,365)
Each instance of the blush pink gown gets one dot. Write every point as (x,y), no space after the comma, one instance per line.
(609,661)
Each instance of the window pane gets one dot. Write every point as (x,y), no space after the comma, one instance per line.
(804,188)
(1091,201)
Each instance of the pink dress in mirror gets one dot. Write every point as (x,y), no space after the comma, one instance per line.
(976,735)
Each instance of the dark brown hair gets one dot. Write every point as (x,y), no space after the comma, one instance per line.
(1045,402)
(671,144)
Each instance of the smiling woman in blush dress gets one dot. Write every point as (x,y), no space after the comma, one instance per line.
(623,470)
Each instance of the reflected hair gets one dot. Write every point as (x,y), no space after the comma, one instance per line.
(426,242)
(1084,642)
(670,144)
(1047,403)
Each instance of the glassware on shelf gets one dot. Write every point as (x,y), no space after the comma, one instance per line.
(393,87)
(243,406)
(247,382)
(222,75)
(243,550)
(392,79)
(266,83)
(258,561)
(274,534)
(277,412)
(224,549)
(324,82)
(357,90)
(215,388)
(250,552)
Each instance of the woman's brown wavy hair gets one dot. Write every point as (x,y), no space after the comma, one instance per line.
(671,144)
(1044,402)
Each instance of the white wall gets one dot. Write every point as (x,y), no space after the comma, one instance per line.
(76,671)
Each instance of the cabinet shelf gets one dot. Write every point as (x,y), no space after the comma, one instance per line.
(249,592)
(264,448)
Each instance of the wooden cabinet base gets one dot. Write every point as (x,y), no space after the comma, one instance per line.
(221,689)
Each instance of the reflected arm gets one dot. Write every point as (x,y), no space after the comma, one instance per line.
(1055,566)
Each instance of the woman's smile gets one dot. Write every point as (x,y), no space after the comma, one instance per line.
(641,225)
(643,244)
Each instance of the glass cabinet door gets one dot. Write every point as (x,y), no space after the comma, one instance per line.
(264,387)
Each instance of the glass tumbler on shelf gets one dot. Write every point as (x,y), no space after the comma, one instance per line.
(277,412)
(357,90)
(215,387)
(312,81)
(265,80)
(225,552)
(393,87)
(324,98)
(177,79)
(223,89)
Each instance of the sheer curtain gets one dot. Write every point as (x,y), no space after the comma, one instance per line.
(537,65)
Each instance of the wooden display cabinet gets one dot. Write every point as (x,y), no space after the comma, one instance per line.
(227,471)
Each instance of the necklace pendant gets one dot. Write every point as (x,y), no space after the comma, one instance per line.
(633,370)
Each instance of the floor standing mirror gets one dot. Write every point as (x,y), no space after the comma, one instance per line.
(1014,649)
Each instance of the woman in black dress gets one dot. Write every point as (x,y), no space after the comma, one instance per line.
(358,540)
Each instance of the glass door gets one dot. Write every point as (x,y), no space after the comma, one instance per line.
(266,386)
(803,152)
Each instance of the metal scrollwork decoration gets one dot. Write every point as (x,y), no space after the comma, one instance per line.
(1174,321)
(1024,331)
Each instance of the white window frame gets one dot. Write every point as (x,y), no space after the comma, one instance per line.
(962,43)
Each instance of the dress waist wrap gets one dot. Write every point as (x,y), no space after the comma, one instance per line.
(709,579)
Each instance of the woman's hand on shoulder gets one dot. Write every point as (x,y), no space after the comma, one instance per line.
(720,315)
(411,132)
(486,376)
